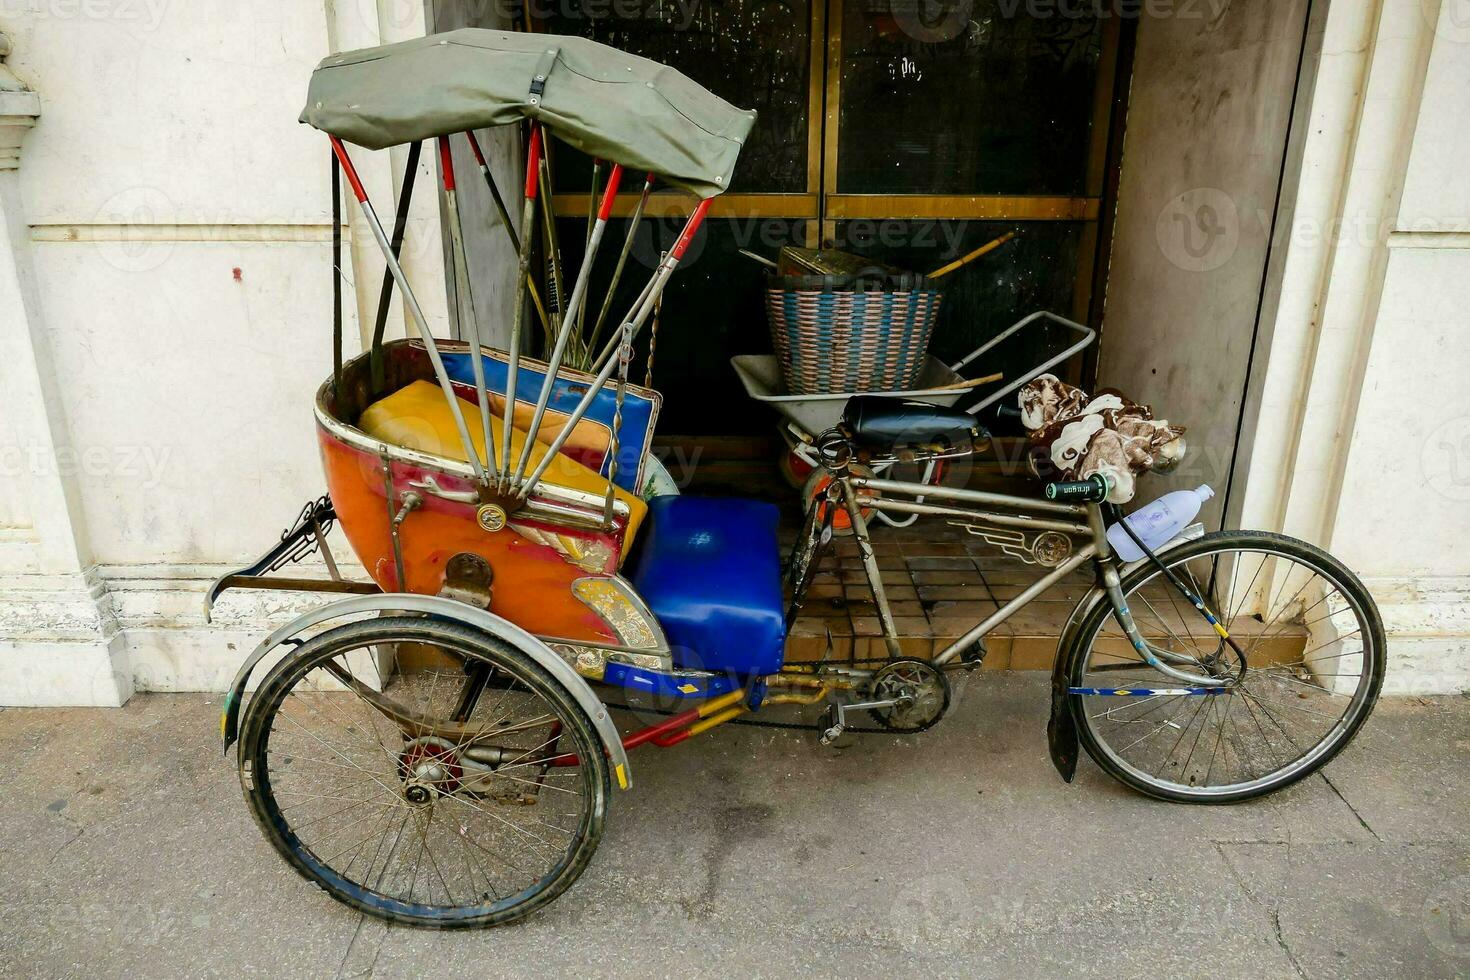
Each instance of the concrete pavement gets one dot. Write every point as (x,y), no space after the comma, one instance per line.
(128,851)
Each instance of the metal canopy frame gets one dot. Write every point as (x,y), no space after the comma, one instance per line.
(496,474)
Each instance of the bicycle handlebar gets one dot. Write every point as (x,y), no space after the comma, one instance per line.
(1093,490)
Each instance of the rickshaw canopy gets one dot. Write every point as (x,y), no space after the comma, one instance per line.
(605,102)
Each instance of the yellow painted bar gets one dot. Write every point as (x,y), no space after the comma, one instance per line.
(719,719)
(723,701)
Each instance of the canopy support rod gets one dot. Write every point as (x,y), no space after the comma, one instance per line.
(629,330)
(464,304)
(617,275)
(515,240)
(513,358)
(551,246)
(587,244)
(613,340)
(569,316)
(371,217)
(494,189)
(385,293)
(336,278)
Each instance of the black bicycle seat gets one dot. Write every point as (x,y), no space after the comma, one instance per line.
(885,424)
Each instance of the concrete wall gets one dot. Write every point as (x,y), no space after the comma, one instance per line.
(172,220)
(1209,107)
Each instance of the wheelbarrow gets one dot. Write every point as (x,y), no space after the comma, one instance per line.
(806,416)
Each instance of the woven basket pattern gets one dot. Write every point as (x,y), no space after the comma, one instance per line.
(832,340)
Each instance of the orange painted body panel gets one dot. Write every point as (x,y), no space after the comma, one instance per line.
(532,585)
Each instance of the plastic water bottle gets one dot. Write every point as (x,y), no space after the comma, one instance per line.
(1157,522)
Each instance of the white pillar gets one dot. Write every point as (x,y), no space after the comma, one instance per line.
(1358,435)
(59,643)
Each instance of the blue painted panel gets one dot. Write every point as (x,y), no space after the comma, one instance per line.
(639,411)
(699,686)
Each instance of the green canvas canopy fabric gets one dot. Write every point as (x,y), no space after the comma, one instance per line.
(607,103)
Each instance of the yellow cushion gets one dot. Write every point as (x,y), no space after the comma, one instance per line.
(418,417)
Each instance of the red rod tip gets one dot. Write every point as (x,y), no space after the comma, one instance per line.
(475,147)
(347,168)
(690,227)
(446,164)
(611,192)
(533,161)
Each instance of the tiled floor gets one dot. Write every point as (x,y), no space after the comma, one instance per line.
(940,581)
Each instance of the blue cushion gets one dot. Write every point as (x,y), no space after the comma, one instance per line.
(710,569)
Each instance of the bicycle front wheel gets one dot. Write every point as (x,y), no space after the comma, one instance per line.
(1302,670)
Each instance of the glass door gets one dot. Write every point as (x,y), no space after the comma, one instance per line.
(952,122)
(910,130)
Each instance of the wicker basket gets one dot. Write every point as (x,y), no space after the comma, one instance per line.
(851,333)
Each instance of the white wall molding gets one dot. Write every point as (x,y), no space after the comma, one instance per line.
(171,647)
(58,641)
(1428,624)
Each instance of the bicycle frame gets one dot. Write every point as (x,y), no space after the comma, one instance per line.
(1010,518)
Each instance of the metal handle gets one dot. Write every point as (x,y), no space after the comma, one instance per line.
(1088,336)
(431,486)
(1093,490)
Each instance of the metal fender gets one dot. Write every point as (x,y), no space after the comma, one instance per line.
(1061,726)
(500,628)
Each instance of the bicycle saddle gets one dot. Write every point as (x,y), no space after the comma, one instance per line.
(884,424)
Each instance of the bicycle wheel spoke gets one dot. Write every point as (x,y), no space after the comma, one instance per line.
(1283,708)
(377,784)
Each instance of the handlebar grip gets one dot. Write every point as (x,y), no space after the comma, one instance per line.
(1093,490)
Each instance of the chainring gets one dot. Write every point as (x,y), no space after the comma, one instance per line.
(926,684)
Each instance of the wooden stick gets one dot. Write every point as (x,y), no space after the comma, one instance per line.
(970,384)
(989,246)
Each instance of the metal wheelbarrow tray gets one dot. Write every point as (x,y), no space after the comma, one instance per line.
(938,384)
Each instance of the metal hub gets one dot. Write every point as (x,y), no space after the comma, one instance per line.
(920,692)
(428,769)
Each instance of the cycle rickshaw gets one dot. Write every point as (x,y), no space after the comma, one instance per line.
(433,746)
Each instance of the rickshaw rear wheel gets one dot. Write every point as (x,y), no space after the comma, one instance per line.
(425,772)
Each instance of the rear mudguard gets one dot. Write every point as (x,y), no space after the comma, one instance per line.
(494,625)
(1061,727)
